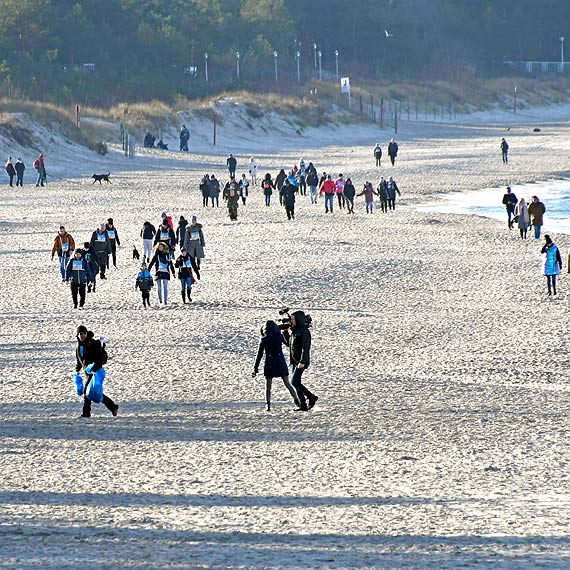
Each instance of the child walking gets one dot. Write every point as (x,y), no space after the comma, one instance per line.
(144,283)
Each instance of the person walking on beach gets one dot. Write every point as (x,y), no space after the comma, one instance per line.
(368,193)
(505,151)
(327,187)
(383,193)
(378,154)
(288,192)
(89,355)
(79,273)
(168,219)
(392,190)
(522,218)
(551,263)
(164,268)
(267,187)
(113,240)
(101,245)
(19,167)
(349,193)
(194,241)
(302,178)
(271,344)
(205,189)
(10,170)
(166,236)
(63,245)
(148,232)
(231,163)
(184,138)
(393,151)
(231,195)
(215,189)
(510,202)
(252,168)
(186,264)
(339,189)
(144,283)
(536,211)
(181,230)
(299,342)
(40,167)
(312,181)
(243,188)
(279,180)
(91,261)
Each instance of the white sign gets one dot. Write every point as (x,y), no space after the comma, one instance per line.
(345,85)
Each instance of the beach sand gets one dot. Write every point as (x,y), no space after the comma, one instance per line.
(440,439)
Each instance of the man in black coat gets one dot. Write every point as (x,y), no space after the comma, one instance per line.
(232,164)
(101,246)
(288,199)
(510,202)
(89,352)
(299,342)
(393,151)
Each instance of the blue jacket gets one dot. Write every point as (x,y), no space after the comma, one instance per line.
(551,260)
(78,271)
(144,280)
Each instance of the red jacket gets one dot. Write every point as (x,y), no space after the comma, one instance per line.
(327,187)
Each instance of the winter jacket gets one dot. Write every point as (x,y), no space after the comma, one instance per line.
(148,231)
(113,236)
(349,191)
(312,179)
(299,341)
(510,201)
(232,163)
(551,260)
(19,167)
(78,271)
(267,186)
(368,192)
(91,261)
(169,222)
(194,241)
(100,242)
(393,149)
(144,280)
(88,352)
(339,185)
(288,195)
(377,152)
(392,189)
(205,187)
(504,146)
(63,245)
(523,218)
(279,179)
(383,190)
(166,236)
(271,344)
(231,193)
(181,231)
(243,188)
(327,187)
(215,188)
(185,264)
(163,264)
(536,212)
(10,169)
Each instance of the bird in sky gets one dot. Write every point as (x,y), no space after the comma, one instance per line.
(388,34)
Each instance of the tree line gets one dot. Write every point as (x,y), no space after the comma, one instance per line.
(105,51)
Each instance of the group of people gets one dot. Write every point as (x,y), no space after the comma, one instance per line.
(17,169)
(392,152)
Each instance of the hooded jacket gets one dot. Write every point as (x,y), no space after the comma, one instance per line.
(88,352)
(148,231)
(271,344)
(78,271)
(299,340)
(163,264)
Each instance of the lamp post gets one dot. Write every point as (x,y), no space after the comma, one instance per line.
(315,54)
(206,65)
(298,56)
(320,65)
(237,65)
(336,58)
(561,54)
(275,54)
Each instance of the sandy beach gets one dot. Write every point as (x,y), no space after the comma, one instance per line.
(440,439)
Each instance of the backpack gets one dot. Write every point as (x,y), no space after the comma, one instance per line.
(37,163)
(104,355)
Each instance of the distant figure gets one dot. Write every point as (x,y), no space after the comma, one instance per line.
(510,202)
(231,163)
(522,218)
(393,151)
(19,167)
(148,141)
(392,190)
(349,192)
(10,170)
(184,138)
(378,154)
(536,211)
(267,185)
(40,167)
(215,190)
(252,171)
(551,263)
(505,151)
(231,195)
(181,230)
(162,145)
(368,193)
(383,193)
(205,189)
(148,232)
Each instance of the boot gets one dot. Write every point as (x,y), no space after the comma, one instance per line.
(189,298)
(184,297)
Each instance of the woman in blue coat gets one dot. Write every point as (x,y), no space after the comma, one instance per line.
(271,344)
(551,263)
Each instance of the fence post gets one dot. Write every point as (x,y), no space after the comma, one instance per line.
(381,112)
(396,122)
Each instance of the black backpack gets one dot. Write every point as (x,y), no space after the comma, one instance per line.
(104,355)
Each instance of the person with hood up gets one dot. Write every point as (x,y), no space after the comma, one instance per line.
(349,193)
(113,240)
(205,189)
(181,230)
(89,355)
(279,180)
(288,192)
(522,218)
(271,344)
(165,235)
(91,261)
(551,263)
(79,273)
(368,193)
(252,168)
(267,186)
(231,195)
(392,190)
(328,188)
(383,193)
(19,167)
(101,245)
(164,268)
(215,190)
(194,241)
(144,283)
(393,151)
(63,245)
(186,263)
(148,232)
(299,343)
(10,170)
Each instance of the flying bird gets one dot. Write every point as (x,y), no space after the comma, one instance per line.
(388,35)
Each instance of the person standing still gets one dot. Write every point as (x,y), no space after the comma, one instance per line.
(10,170)
(378,154)
(505,151)
(392,189)
(551,263)
(113,240)
(19,167)
(510,202)
(522,217)
(536,211)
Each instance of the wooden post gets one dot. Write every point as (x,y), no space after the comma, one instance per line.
(381,112)
(77,123)
(214,128)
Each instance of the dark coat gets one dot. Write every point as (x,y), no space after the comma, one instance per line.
(271,344)
(91,353)
(100,243)
(148,231)
(393,149)
(288,195)
(162,260)
(78,271)
(349,191)
(299,341)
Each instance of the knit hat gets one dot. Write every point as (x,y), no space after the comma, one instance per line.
(86,245)
(81,329)
(110,221)
(194,219)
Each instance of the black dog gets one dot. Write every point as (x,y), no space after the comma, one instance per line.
(99,177)
(136,254)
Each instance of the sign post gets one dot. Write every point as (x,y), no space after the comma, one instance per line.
(77,116)
(345,87)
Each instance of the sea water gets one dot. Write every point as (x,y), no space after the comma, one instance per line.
(487,202)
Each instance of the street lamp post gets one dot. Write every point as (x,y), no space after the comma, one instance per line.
(561,54)
(315,54)
(298,56)
(275,54)
(206,65)
(237,65)
(320,65)
(336,58)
